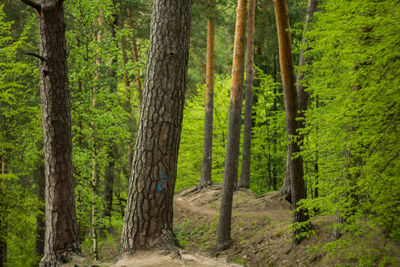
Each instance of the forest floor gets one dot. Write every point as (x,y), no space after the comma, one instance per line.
(260,230)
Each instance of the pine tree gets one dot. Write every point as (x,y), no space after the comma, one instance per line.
(205,179)
(246,158)
(224,240)
(61,235)
(295,162)
(149,210)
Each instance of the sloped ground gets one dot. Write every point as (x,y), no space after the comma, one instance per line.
(261,234)
(260,229)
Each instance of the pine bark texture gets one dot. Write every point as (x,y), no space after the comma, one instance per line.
(61,235)
(246,156)
(205,179)
(149,210)
(295,164)
(224,240)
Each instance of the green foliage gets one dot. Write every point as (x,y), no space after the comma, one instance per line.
(268,151)
(353,122)
(99,118)
(224,35)
(20,141)
(191,145)
(268,139)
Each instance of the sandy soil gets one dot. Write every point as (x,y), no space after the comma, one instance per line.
(158,258)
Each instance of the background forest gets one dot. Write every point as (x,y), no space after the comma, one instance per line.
(349,143)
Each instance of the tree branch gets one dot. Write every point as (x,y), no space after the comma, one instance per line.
(33,4)
(35,55)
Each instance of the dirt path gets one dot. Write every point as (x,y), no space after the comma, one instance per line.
(158,258)
(206,202)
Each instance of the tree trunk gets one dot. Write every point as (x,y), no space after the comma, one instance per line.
(224,240)
(127,82)
(246,158)
(93,227)
(61,236)
(3,216)
(300,87)
(149,210)
(112,152)
(135,54)
(109,185)
(40,219)
(205,179)
(301,93)
(295,162)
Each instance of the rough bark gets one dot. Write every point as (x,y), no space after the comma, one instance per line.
(246,157)
(149,210)
(301,94)
(295,162)
(61,227)
(224,240)
(61,235)
(205,179)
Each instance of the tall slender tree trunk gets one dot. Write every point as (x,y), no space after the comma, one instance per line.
(303,61)
(3,216)
(127,82)
(109,184)
(135,54)
(40,219)
(149,209)
(112,152)
(94,183)
(205,179)
(93,136)
(301,93)
(295,162)
(224,240)
(127,105)
(246,157)
(61,237)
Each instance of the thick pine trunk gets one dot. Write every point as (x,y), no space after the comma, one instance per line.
(246,157)
(205,179)
(61,235)
(224,239)
(295,162)
(149,210)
